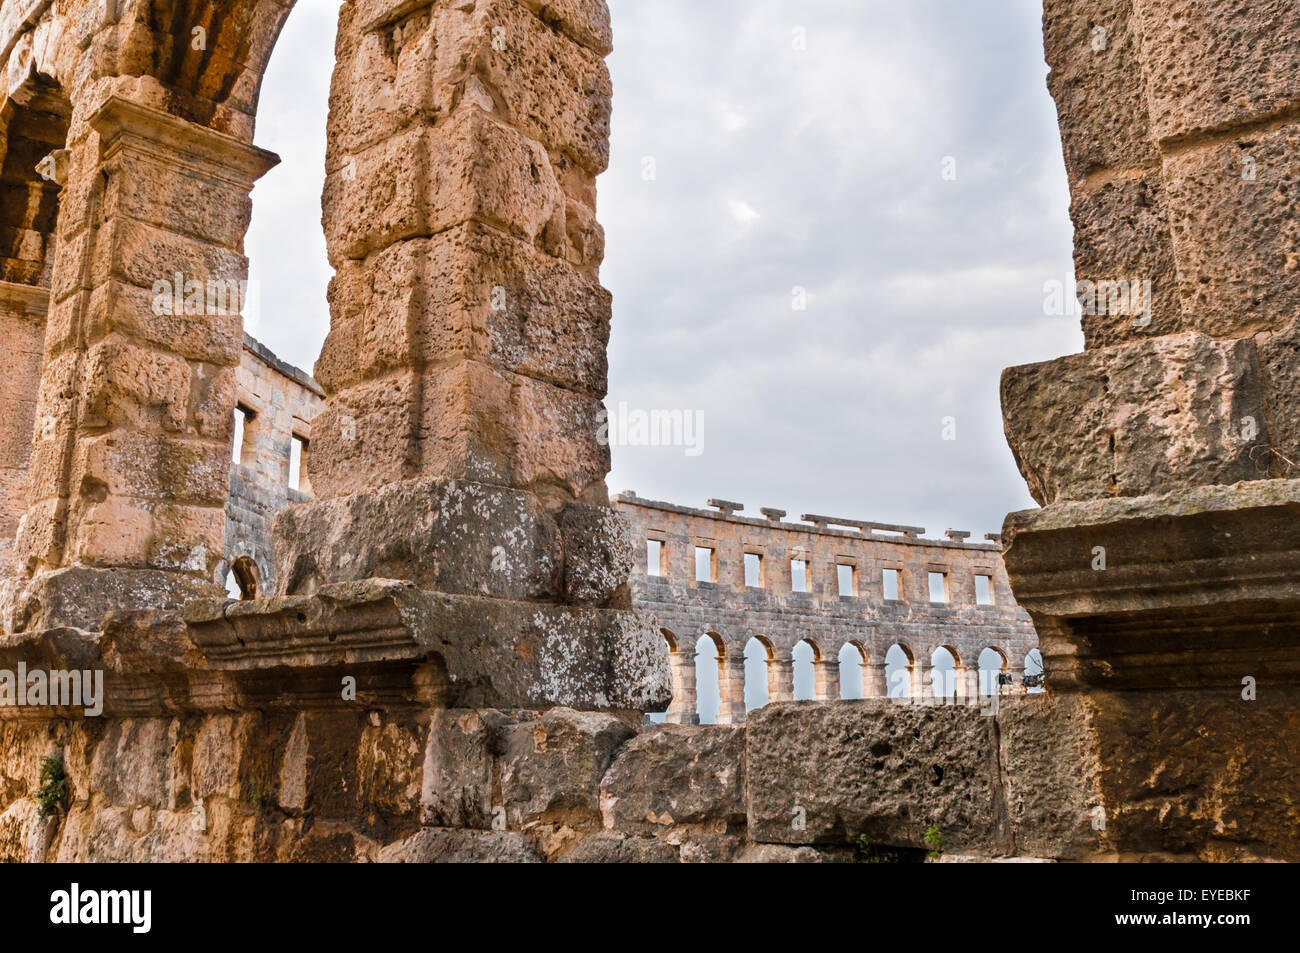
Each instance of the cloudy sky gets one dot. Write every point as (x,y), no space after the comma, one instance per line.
(794,144)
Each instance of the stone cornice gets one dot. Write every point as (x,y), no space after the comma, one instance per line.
(126,125)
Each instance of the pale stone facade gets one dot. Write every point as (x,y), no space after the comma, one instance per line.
(839,555)
(276,405)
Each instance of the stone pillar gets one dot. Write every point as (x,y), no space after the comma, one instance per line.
(780,679)
(968,685)
(731,688)
(1017,686)
(1163,567)
(684,709)
(129,468)
(875,683)
(919,688)
(463,445)
(23,311)
(826,679)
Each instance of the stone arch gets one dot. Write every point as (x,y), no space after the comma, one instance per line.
(853,660)
(709,676)
(945,672)
(34,124)
(759,653)
(902,669)
(805,655)
(992,663)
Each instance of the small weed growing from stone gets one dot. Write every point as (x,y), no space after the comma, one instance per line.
(54,786)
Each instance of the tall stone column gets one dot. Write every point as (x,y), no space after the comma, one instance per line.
(919,687)
(130,458)
(462,445)
(731,688)
(968,685)
(1162,571)
(875,682)
(684,709)
(826,679)
(780,679)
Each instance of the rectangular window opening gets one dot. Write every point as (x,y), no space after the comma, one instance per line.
(938,587)
(845,575)
(984,590)
(892,582)
(239,452)
(297,457)
(753,571)
(703,564)
(654,557)
(798,575)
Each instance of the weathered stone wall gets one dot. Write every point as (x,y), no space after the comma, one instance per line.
(281,401)
(801,782)
(732,613)
(1161,572)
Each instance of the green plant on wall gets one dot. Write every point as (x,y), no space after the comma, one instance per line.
(54,786)
(865,852)
(934,840)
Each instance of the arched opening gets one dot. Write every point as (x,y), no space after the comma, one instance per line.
(288,268)
(33,168)
(1035,673)
(806,655)
(899,663)
(992,665)
(943,673)
(709,653)
(242,579)
(853,671)
(678,677)
(758,652)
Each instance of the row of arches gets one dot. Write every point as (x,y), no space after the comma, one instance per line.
(712,684)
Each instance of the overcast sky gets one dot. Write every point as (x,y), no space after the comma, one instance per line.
(795,144)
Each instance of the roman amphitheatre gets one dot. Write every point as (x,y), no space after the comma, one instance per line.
(440,640)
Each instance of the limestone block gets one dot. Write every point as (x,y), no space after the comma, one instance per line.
(1051,775)
(366,437)
(468,292)
(674,775)
(162,195)
(551,768)
(1096,80)
(1181,410)
(826,773)
(390,765)
(609,848)
(598,554)
(1236,229)
(458,768)
(445,536)
(435,845)
(130,310)
(1121,234)
(153,467)
(479,423)
(1214,63)
(396,67)
(424,180)
(1279,360)
(586,21)
(132,386)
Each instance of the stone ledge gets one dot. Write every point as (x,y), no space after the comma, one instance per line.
(1200,586)
(405,647)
